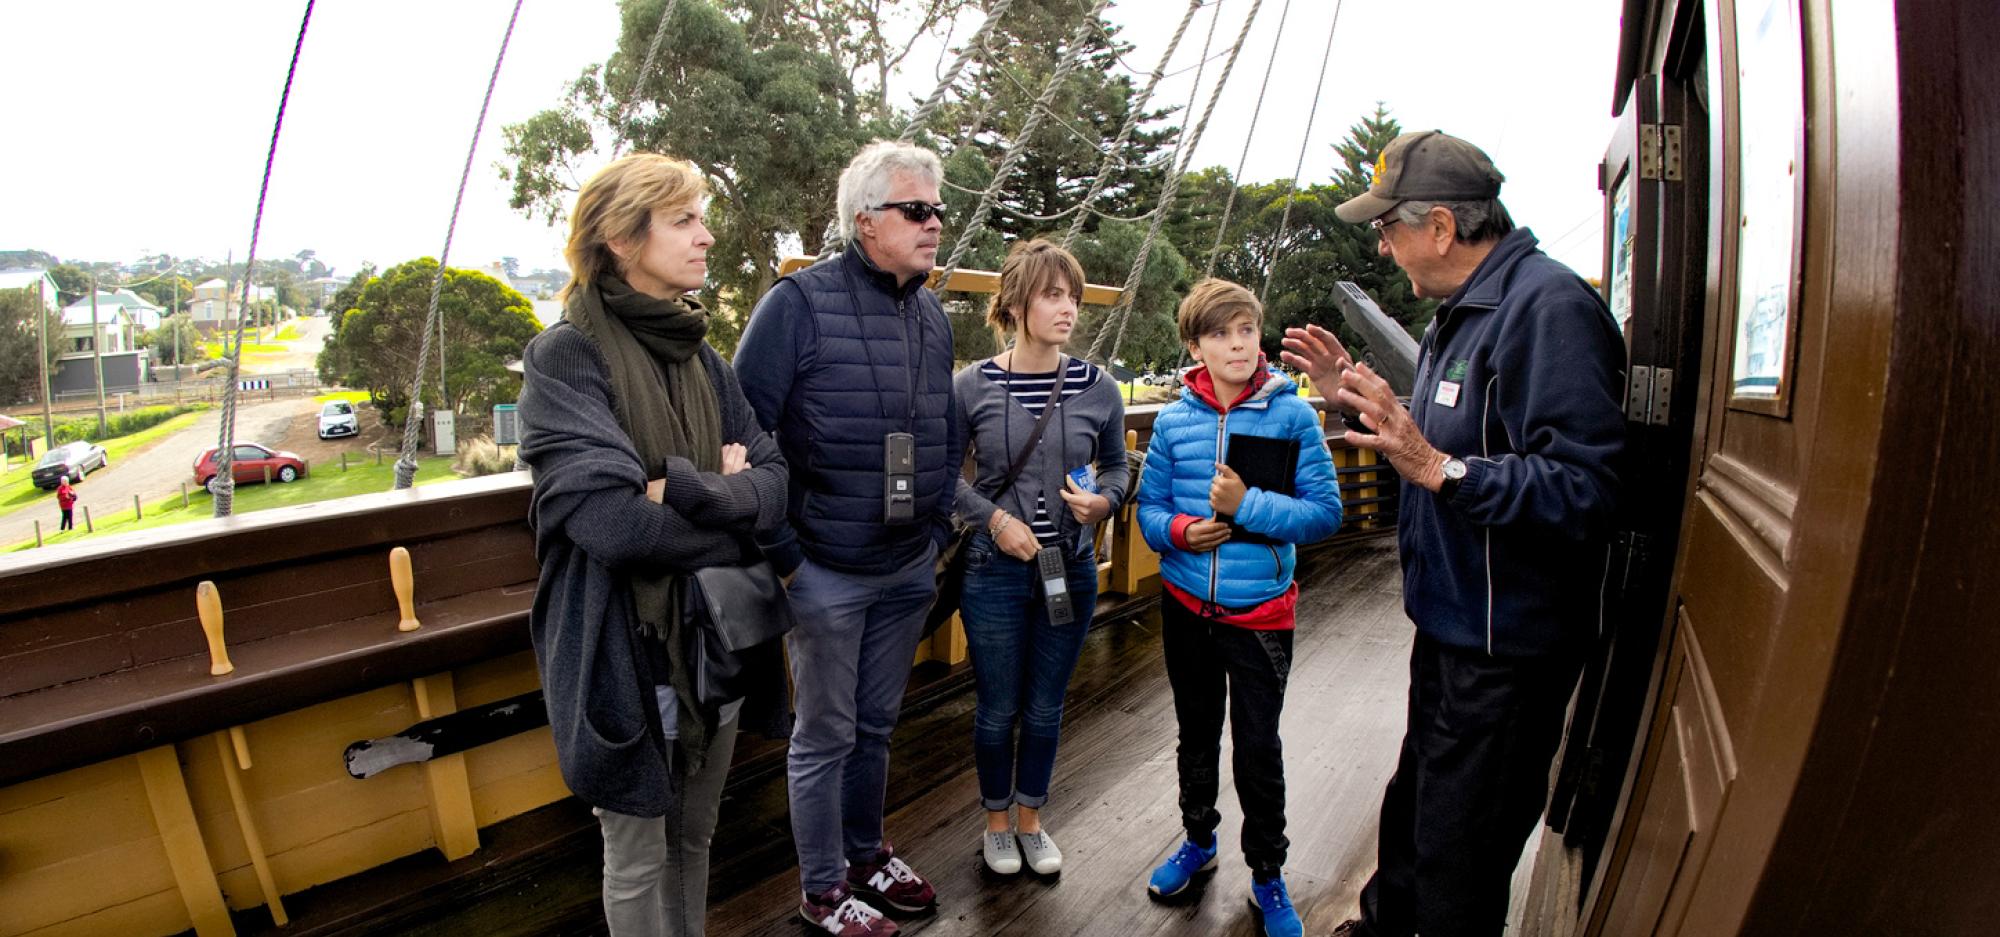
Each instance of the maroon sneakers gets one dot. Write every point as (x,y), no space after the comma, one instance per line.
(838,912)
(892,882)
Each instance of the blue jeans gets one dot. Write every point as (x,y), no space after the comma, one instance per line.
(1021,665)
(851,653)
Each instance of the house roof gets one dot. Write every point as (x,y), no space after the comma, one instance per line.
(19,277)
(108,305)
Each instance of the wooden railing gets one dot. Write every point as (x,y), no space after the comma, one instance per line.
(145,793)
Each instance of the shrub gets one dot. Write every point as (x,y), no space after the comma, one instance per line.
(71,429)
(480,456)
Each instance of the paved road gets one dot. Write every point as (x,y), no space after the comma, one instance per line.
(157,470)
(302,353)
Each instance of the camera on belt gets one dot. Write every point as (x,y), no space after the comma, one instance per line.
(899,478)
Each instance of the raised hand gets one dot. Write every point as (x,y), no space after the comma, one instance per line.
(1395,434)
(1225,493)
(1319,354)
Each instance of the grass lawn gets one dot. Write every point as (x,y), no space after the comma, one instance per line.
(325,483)
(214,349)
(290,333)
(17,486)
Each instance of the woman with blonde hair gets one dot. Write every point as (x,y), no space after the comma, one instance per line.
(1062,423)
(648,464)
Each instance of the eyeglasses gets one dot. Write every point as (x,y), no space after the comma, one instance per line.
(916,212)
(1382,224)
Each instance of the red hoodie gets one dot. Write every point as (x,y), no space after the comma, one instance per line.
(65,496)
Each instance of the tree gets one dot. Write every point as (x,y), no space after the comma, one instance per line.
(768,121)
(176,341)
(1152,338)
(348,297)
(72,282)
(1061,161)
(164,291)
(486,324)
(309,266)
(1315,251)
(20,373)
(868,39)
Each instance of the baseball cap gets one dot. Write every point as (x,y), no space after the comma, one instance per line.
(1429,166)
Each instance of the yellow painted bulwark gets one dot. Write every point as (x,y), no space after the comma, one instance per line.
(155,844)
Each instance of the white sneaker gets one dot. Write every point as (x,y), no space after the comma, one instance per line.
(1001,855)
(1041,852)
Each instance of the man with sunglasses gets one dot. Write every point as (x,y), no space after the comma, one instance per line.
(849,362)
(1507,452)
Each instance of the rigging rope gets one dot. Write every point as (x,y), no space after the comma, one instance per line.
(223,485)
(1285,220)
(1058,216)
(1123,312)
(1019,147)
(1229,207)
(1133,117)
(638,80)
(974,46)
(406,464)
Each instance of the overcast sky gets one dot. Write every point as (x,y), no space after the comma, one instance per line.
(138,127)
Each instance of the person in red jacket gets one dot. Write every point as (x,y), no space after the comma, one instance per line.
(66,499)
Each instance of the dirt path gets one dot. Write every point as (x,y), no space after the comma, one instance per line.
(157,470)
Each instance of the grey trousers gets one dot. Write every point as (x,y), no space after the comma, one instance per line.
(656,868)
(851,653)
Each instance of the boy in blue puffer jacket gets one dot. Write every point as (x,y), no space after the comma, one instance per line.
(1228,609)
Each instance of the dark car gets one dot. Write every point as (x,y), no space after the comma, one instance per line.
(249,463)
(75,460)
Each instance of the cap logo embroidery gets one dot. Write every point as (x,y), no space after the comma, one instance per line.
(1381,165)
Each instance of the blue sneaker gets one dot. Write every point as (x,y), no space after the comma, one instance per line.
(1274,907)
(1173,875)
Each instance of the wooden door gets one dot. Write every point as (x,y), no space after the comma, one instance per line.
(1720,658)
(1654,179)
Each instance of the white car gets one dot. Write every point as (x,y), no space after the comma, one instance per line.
(338,418)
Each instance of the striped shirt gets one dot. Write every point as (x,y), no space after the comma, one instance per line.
(1031,391)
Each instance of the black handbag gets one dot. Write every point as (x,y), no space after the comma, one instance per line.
(951,560)
(736,614)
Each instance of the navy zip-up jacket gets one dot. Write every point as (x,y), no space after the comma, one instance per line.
(836,357)
(1520,376)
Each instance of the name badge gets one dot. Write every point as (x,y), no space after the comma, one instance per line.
(1447,394)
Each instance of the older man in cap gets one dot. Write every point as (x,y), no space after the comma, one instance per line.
(1507,452)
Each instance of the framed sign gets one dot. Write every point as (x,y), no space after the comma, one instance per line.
(1770,123)
(1619,284)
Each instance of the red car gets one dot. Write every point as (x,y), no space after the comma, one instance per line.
(249,464)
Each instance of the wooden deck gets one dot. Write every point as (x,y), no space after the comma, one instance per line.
(1113,804)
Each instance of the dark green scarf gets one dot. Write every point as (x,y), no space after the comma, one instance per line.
(664,401)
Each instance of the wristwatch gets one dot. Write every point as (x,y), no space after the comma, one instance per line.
(1453,472)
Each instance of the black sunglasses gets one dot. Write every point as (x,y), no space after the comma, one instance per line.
(917,212)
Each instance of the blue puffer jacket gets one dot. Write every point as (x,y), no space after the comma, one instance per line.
(1180,465)
(834,358)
